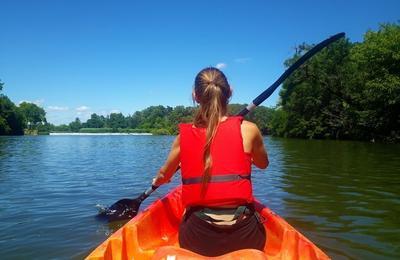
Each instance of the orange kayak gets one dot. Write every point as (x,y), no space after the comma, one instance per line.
(153,234)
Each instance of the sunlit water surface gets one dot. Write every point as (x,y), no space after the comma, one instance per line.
(344,196)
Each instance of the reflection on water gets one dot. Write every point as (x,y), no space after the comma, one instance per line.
(344,196)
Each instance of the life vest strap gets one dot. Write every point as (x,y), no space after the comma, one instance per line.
(217,178)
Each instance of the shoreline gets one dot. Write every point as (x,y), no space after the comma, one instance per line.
(100,134)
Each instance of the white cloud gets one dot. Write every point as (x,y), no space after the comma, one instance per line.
(221,65)
(82,108)
(57,108)
(242,60)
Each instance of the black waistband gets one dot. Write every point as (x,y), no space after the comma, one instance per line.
(237,213)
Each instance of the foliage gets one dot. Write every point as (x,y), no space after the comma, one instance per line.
(33,114)
(233,109)
(95,121)
(11,118)
(311,97)
(261,116)
(347,91)
(277,122)
(377,61)
(44,129)
(76,125)
(14,119)
(157,120)
(61,128)
(116,120)
(161,131)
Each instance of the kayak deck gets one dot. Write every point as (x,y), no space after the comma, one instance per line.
(154,233)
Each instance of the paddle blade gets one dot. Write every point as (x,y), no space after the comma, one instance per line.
(121,210)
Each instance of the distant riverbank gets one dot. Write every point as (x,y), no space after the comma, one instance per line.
(100,134)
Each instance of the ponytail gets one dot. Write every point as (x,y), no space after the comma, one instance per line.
(212,92)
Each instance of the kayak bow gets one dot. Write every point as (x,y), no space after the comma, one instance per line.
(153,234)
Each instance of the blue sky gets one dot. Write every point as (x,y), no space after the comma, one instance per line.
(75,58)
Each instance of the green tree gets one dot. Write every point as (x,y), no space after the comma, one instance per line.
(159,120)
(135,120)
(377,83)
(62,128)
(11,119)
(347,91)
(155,117)
(312,97)
(33,114)
(117,120)
(4,127)
(179,114)
(261,116)
(76,125)
(95,121)
(44,129)
(233,109)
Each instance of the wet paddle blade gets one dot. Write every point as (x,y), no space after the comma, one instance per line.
(121,210)
(126,208)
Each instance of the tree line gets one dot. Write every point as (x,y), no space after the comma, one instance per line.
(154,119)
(29,118)
(347,91)
(15,120)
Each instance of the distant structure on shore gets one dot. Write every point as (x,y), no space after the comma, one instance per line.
(100,134)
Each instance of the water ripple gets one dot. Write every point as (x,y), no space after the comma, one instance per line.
(344,196)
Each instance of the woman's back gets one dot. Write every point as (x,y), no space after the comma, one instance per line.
(216,153)
(229,181)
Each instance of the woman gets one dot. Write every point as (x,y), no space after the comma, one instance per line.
(215,154)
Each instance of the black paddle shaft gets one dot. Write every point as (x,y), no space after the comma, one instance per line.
(268,92)
(147,193)
(128,208)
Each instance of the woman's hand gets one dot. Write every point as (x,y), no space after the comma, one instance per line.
(160,179)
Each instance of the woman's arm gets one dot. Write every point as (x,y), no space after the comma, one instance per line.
(171,164)
(253,143)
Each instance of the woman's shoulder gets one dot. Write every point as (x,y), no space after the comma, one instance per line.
(250,126)
(249,129)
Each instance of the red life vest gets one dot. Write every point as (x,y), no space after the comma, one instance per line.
(230,182)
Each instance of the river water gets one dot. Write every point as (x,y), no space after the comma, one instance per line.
(344,196)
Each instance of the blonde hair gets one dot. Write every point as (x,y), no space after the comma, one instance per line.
(212,92)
